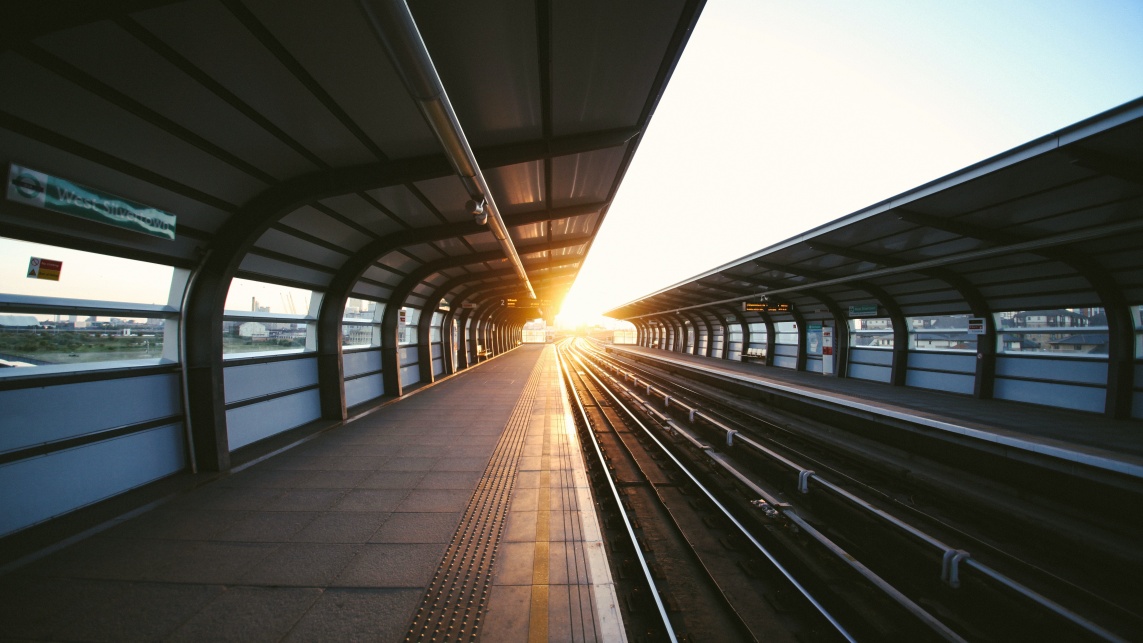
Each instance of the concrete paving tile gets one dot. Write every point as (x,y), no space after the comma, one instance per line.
(33,607)
(401,463)
(392,565)
(473,463)
(291,461)
(358,615)
(141,612)
(506,617)
(520,527)
(513,565)
(570,613)
(566,564)
(261,477)
(267,526)
(529,463)
(176,524)
(523,500)
(371,500)
(301,565)
(342,527)
(435,500)
(527,480)
(216,497)
(249,614)
(393,480)
(450,480)
(341,479)
(109,558)
(417,528)
(217,563)
(564,526)
(360,463)
(305,500)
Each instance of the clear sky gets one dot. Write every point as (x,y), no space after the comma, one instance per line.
(784,115)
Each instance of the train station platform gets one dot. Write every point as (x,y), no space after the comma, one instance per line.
(1085,438)
(461,509)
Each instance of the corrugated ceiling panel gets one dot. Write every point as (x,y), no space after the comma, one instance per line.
(517,188)
(492,81)
(214,40)
(584,178)
(361,212)
(105,52)
(272,268)
(315,223)
(60,106)
(323,40)
(283,243)
(600,94)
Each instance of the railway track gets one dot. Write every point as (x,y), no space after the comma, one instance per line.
(870,574)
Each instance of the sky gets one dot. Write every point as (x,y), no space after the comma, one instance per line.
(782,116)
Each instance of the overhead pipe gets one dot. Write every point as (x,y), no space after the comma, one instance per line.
(394,26)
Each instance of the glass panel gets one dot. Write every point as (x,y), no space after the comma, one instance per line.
(43,340)
(1137,317)
(786,332)
(871,332)
(84,275)
(361,323)
(243,337)
(407,332)
(1071,332)
(259,297)
(947,333)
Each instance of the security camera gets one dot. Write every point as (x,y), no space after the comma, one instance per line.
(477,210)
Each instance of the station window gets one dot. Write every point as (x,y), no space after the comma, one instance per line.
(361,323)
(262,318)
(944,333)
(1137,316)
(86,311)
(871,332)
(1065,332)
(435,327)
(407,326)
(786,332)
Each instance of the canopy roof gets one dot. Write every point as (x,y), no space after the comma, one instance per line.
(289,148)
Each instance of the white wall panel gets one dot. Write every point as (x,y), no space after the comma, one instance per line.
(248,424)
(244,382)
(1081,398)
(948,382)
(37,489)
(358,362)
(34,416)
(364,389)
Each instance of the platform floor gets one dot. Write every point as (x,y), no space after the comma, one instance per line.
(1094,439)
(463,506)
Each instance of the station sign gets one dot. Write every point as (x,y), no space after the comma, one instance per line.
(44,269)
(531,303)
(869,310)
(468,305)
(766,307)
(60,195)
(976,326)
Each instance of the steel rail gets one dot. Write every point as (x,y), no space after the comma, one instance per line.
(730,516)
(619,504)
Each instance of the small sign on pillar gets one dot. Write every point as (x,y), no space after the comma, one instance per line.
(827,350)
